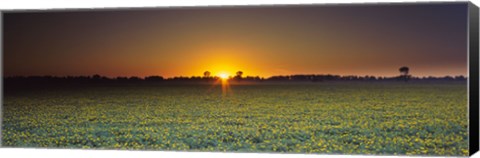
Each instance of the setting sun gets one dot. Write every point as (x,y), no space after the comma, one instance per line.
(223,76)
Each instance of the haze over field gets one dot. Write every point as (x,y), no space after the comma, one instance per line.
(261,41)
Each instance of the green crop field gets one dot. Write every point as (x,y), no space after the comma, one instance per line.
(326,118)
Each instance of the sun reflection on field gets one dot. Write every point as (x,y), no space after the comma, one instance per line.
(225,85)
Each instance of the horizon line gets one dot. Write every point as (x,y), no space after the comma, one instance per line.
(230,76)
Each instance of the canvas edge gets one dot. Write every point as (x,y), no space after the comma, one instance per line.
(210,6)
(2,50)
(473,79)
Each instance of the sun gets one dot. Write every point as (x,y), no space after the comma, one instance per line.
(223,76)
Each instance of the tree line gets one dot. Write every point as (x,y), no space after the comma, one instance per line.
(208,78)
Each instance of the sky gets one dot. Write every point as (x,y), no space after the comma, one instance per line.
(373,39)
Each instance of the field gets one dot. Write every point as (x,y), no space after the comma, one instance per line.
(326,118)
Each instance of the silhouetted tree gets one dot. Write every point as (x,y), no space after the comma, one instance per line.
(206,74)
(404,73)
(121,79)
(239,74)
(96,77)
(154,78)
(461,77)
(134,79)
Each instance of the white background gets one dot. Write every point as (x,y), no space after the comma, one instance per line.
(50,4)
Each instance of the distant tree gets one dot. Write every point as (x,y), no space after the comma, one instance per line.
(96,76)
(404,73)
(206,74)
(239,75)
(461,77)
(134,79)
(154,78)
(121,79)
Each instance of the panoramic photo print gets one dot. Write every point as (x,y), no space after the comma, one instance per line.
(369,79)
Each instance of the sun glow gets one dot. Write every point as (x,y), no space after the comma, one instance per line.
(223,76)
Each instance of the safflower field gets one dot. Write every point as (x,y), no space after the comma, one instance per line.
(318,118)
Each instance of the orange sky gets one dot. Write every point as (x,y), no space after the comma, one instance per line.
(260,41)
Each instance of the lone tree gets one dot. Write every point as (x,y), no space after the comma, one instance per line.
(404,73)
(206,74)
(239,74)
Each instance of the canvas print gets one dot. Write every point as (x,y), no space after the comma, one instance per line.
(369,79)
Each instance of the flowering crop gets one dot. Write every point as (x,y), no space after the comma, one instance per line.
(347,118)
